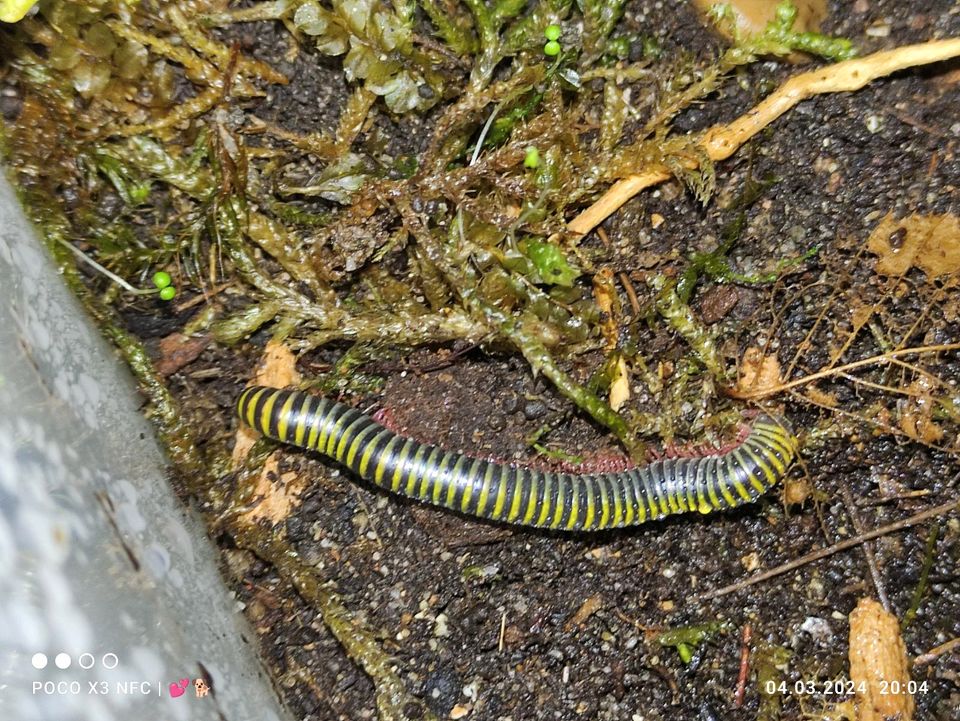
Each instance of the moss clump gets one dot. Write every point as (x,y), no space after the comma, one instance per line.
(157,137)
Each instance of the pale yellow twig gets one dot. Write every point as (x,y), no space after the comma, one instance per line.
(720,142)
(839,370)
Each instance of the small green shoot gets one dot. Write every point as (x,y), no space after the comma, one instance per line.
(531,158)
(550,263)
(687,639)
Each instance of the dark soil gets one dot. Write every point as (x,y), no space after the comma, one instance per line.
(484,617)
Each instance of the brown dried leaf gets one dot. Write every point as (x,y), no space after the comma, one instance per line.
(860,313)
(277,369)
(178,350)
(586,610)
(916,413)
(878,664)
(928,242)
(758,372)
(821,398)
(620,386)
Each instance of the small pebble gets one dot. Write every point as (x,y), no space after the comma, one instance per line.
(110,205)
(819,630)
(496,422)
(874,123)
(511,402)
(10,107)
(879,30)
(534,409)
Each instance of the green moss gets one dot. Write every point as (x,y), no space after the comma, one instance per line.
(328,236)
(686,639)
(770,663)
(599,19)
(681,318)
(152,142)
(549,264)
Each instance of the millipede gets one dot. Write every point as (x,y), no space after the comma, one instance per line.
(515,494)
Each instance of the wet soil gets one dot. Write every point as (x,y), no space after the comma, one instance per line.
(484,618)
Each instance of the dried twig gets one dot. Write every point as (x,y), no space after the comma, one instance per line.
(867,547)
(721,142)
(836,548)
(934,653)
(744,667)
(827,372)
(918,592)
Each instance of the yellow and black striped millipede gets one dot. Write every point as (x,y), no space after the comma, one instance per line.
(517,495)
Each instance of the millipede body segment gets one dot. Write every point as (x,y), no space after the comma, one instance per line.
(518,495)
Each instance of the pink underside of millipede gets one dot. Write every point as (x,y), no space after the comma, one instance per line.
(612,462)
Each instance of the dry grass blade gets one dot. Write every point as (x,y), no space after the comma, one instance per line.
(940,510)
(840,370)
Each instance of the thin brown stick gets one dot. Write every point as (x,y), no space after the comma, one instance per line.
(836,548)
(935,300)
(827,372)
(893,390)
(722,141)
(867,548)
(874,422)
(631,293)
(778,312)
(203,297)
(744,667)
(624,278)
(934,653)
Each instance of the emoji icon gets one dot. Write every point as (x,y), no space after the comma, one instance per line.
(202,688)
(178,687)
